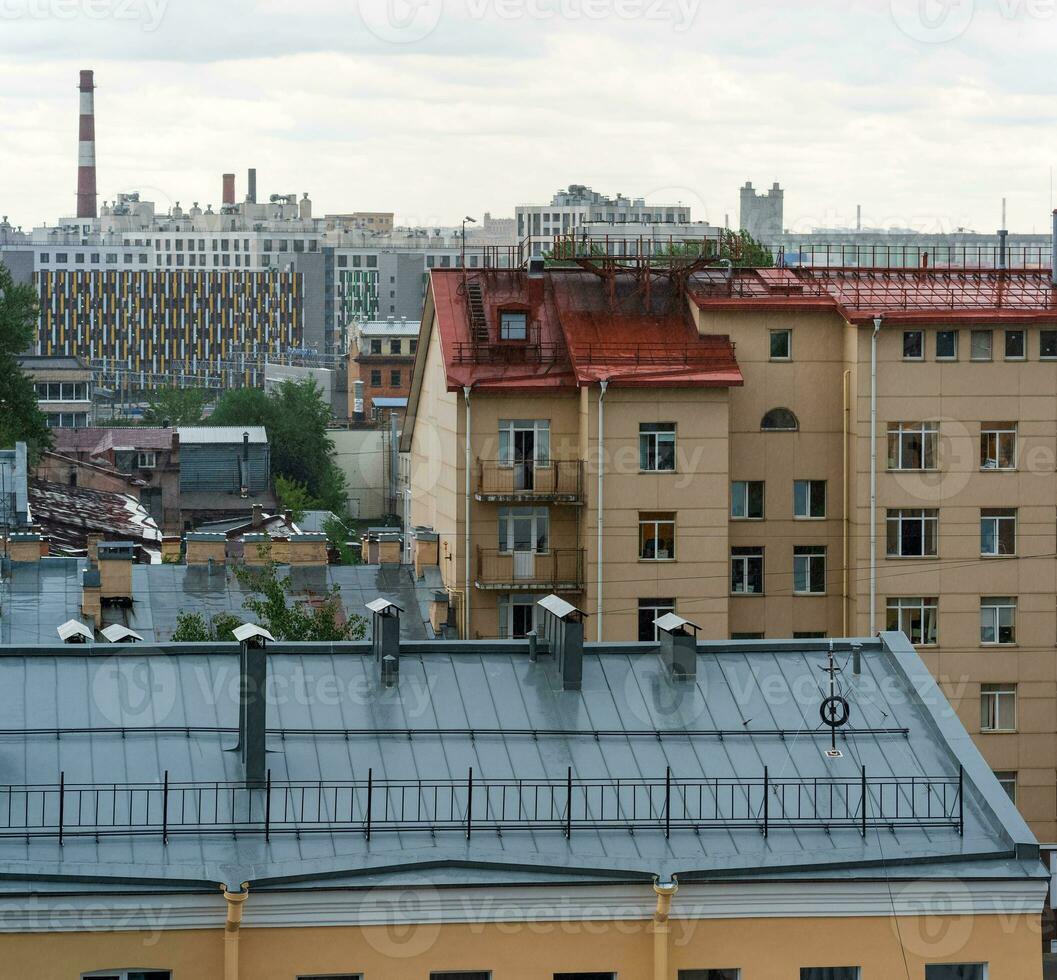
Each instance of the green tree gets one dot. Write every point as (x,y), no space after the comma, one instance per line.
(296,418)
(191,627)
(338,540)
(294,497)
(292,619)
(21,420)
(177,406)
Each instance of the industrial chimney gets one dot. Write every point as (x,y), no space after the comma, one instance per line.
(251,185)
(86,189)
(229,189)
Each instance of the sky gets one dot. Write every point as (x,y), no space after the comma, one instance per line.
(925,112)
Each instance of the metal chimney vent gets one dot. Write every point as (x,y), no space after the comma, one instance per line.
(253,705)
(563,628)
(678,645)
(385,638)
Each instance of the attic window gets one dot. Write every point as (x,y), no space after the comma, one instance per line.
(513,325)
(779,420)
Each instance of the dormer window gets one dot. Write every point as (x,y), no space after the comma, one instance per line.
(513,325)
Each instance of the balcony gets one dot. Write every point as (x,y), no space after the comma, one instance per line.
(560,570)
(558,481)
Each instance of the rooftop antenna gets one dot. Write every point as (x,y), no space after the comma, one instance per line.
(834,710)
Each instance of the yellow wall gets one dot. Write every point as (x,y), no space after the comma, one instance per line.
(764,949)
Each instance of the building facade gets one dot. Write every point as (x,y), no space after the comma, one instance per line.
(746,506)
(65,389)
(381,361)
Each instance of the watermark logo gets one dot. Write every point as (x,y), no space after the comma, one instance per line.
(149,14)
(134,690)
(933,21)
(401,21)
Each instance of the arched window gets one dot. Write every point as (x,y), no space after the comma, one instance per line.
(779,420)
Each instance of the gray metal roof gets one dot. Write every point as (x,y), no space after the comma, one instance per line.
(211,434)
(333,720)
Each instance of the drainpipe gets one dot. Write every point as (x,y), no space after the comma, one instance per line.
(466,520)
(236,901)
(844,502)
(661,928)
(873,474)
(603,385)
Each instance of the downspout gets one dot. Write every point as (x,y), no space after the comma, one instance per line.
(661,927)
(236,901)
(466,520)
(873,474)
(844,503)
(603,385)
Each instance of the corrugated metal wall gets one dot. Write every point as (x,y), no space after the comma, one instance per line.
(216,467)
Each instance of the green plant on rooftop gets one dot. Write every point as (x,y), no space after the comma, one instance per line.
(338,540)
(20,418)
(293,496)
(295,417)
(288,618)
(192,627)
(176,406)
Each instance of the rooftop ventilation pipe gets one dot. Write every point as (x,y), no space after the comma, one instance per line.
(253,703)
(678,646)
(563,629)
(385,639)
(251,185)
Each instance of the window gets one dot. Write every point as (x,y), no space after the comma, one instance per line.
(414,345)
(1007,779)
(146,460)
(394,379)
(376,347)
(998,620)
(746,636)
(462,975)
(998,707)
(912,533)
(913,345)
(709,974)
(980,345)
(657,536)
(947,345)
(746,571)
(809,569)
(916,617)
(330,976)
(913,445)
(809,499)
(998,446)
(585,976)
(1048,344)
(746,500)
(649,610)
(524,443)
(376,379)
(657,447)
(62,257)
(998,532)
(779,420)
(781,345)
(517,615)
(956,971)
(128,975)
(513,325)
(45,258)
(809,635)
(1014,345)
(829,973)
(523,529)
(394,346)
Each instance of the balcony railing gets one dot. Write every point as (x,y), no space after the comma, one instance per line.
(559,481)
(662,803)
(559,570)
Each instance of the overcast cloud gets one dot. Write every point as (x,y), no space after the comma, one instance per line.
(927,112)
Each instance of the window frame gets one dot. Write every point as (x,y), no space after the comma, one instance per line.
(122,973)
(1007,778)
(996,605)
(927,608)
(1050,335)
(740,558)
(773,335)
(909,335)
(954,335)
(927,517)
(146,459)
(746,495)
(795,427)
(811,487)
(992,698)
(656,520)
(930,968)
(541,529)
(656,607)
(1000,518)
(506,318)
(928,434)
(652,435)
(808,557)
(1010,335)
(996,431)
(990,335)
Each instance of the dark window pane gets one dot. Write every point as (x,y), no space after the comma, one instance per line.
(955,971)
(913,343)
(708,975)
(1048,343)
(1014,343)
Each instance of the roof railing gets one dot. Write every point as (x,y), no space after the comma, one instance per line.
(164,809)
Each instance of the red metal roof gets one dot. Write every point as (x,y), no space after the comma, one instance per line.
(98,440)
(907,295)
(576,337)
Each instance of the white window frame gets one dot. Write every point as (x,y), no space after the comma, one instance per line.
(927,610)
(947,357)
(124,973)
(740,496)
(742,560)
(809,489)
(924,515)
(994,520)
(146,459)
(540,518)
(1023,356)
(984,972)
(920,334)
(508,319)
(992,435)
(990,334)
(1043,356)
(991,615)
(506,604)
(652,439)
(651,605)
(541,440)
(788,356)
(1007,779)
(928,434)
(998,707)
(656,523)
(806,558)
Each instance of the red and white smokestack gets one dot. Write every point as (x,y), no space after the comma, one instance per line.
(229,189)
(86,191)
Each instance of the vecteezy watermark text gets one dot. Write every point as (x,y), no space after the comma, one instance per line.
(147,13)
(938,21)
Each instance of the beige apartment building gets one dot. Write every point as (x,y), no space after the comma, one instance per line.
(719,422)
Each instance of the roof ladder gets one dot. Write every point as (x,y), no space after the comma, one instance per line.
(475,307)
